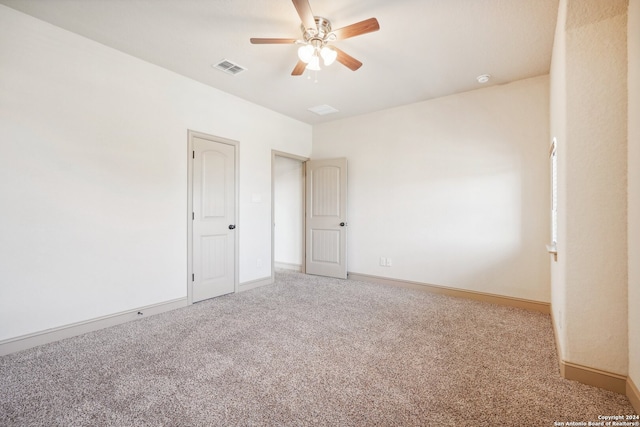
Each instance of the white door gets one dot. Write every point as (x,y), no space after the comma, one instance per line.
(214,232)
(326,220)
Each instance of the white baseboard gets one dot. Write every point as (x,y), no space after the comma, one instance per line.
(35,339)
(24,342)
(540,306)
(255,284)
(590,376)
(288,266)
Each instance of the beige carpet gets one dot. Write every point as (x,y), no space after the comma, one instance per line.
(306,351)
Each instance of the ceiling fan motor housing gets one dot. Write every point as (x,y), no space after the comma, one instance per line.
(322,32)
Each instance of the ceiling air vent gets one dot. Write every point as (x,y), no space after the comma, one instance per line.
(322,110)
(229,67)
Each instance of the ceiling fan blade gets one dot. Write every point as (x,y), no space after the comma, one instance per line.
(271,41)
(304,11)
(299,68)
(347,60)
(363,27)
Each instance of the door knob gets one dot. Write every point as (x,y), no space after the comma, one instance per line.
(232,226)
(342,224)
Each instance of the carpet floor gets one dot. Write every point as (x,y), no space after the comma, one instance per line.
(306,351)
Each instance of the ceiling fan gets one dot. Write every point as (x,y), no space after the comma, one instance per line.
(316,38)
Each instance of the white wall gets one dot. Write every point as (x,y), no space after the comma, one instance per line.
(589,118)
(288,211)
(93,176)
(454,190)
(633,41)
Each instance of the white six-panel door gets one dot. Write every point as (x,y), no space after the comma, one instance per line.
(326,218)
(213,216)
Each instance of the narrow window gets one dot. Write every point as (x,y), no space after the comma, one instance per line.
(554,192)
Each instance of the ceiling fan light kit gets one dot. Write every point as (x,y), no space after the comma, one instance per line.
(305,53)
(309,55)
(328,55)
(314,64)
(316,36)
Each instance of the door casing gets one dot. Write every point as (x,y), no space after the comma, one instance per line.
(303,160)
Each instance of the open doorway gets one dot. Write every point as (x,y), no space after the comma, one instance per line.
(288,211)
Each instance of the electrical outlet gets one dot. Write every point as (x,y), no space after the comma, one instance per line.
(388,264)
(383,261)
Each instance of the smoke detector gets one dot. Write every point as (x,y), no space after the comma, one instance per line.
(483,78)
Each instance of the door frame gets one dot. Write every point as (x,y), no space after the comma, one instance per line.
(303,161)
(236,145)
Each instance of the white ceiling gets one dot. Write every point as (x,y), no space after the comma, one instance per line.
(424,49)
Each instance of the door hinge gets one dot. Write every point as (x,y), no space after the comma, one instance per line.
(193,277)
(193,154)
(193,215)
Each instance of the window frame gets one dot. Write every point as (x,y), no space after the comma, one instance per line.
(553,175)
(553,163)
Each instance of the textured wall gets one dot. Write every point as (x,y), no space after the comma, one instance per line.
(633,40)
(589,107)
(455,191)
(93,176)
(558,126)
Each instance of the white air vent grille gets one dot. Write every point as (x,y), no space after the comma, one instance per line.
(322,110)
(229,67)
